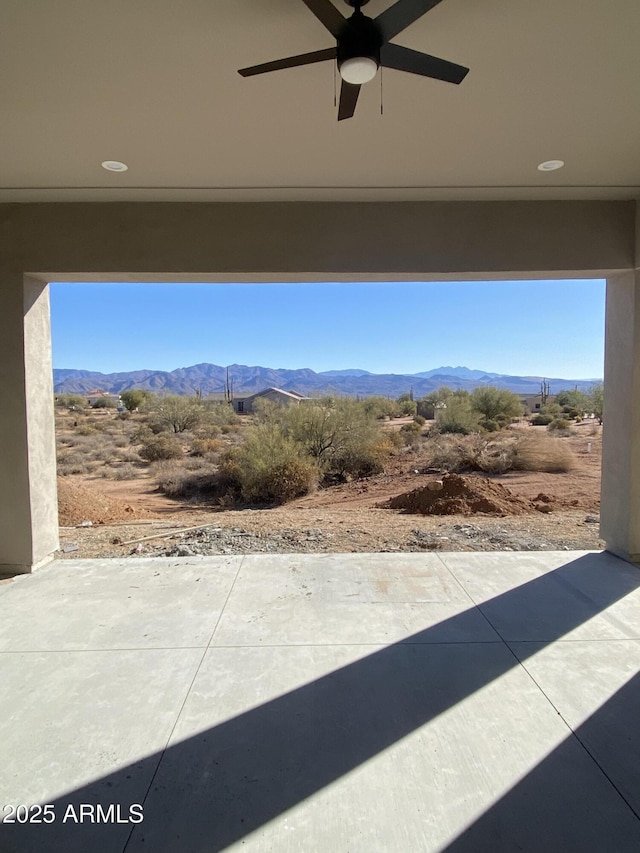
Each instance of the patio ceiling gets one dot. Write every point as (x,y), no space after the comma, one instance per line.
(155,84)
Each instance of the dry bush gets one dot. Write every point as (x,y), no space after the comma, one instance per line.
(127,471)
(560,426)
(203,484)
(456,454)
(206,446)
(543,453)
(73,463)
(86,429)
(65,440)
(161,446)
(129,455)
(360,460)
(411,433)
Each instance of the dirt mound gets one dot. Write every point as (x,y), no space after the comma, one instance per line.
(457,495)
(77,504)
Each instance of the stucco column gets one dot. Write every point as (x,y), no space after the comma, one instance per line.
(620,512)
(28,500)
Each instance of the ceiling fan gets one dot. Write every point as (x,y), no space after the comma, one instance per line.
(364,44)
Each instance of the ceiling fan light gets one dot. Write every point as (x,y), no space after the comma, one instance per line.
(358,70)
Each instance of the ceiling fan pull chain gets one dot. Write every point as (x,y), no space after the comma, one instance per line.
(381,94)
(335,84)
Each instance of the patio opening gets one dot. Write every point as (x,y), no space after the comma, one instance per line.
(201,419)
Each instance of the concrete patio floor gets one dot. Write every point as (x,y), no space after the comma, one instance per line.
(345,703)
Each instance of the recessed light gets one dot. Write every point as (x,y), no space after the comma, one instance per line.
(114,166)
(550,165)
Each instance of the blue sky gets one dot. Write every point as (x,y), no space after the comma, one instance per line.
(550,328)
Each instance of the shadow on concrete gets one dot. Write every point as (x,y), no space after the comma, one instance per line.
(204,793)
(549,808)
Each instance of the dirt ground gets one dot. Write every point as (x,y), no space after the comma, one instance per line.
(133,518)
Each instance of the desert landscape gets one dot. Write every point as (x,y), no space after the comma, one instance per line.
(113,502)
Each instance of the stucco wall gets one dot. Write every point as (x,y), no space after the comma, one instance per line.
(309,240)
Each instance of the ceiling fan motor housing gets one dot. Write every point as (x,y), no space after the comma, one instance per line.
(360,36)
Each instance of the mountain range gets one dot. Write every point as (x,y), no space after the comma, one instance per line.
(211,379)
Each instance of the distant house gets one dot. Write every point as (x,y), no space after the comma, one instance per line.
(244,405)
(532,403)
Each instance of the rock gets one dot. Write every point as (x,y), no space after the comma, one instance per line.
(592,519)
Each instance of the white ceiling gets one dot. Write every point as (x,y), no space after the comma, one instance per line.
(154,83)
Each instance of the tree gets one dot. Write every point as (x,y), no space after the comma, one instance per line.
(70,401)
(458,415)
(406,404)
(341,436)
(496,405)
(379,407)
(134,398)
(177,413)
(595,400)
(571,399)
(105,403)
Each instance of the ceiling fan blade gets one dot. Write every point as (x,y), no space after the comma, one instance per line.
(404,59)
(348,100)
(290,62)
(327,14)
(403,13)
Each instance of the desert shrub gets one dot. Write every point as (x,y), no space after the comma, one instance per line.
(129,454)
(356,460)
(86,429)
(379,407)
(331,431)
(105,403)
(70,401)
(106,453)
(97,424)
(560,425)
(595,401)
(125,471)
(507,452)
(161,446)
(459,416)
(207,430)
(72,463)
(569,412)
(496,406)
(406,405)
(542,453)
(124,416)
(175,413)
(206,446)
(65,440)
(410,433)
(418,419)
(542,419)
(135,398)
(271,467)
(458,453)
(219,415)
(206,484)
